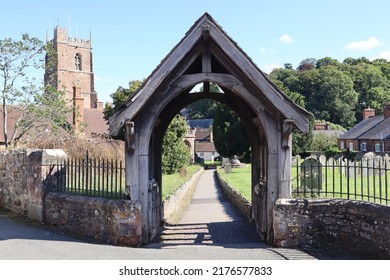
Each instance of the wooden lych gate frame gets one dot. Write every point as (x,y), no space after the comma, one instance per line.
(207,55)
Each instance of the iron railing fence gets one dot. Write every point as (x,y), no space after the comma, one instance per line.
(92,177)
(365,179)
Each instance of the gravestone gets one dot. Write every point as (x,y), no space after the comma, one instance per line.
(311,174)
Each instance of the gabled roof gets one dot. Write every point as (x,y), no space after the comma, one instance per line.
(379,131)
(226,48)
(373,128)
(205,147)
(361,128)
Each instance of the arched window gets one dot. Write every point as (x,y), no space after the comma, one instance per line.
(77,61)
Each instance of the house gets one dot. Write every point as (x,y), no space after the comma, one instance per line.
(322,127)
(372,134)
(204,147)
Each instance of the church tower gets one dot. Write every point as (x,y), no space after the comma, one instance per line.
(73,65)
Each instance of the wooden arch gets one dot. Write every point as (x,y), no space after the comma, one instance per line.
(208,55)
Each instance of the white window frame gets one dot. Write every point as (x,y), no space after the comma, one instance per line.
(363,146)
(351,146)
(378,148)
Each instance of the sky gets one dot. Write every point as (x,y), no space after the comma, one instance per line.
(130,38)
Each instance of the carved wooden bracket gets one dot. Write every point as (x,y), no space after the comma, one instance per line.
(130,136)
(286,134)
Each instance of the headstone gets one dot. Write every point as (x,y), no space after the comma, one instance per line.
(311,174)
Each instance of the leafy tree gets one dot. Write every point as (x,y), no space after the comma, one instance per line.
(175,153)
(371,85)
(324,142)
(120,96)
(36,106)
(327,61)
(335,99)
(230,137)
(204,108)
(307,64)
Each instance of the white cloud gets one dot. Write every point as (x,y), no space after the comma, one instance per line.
(286,39)
(265,50)
(269,67)
(385,55)
(369,44)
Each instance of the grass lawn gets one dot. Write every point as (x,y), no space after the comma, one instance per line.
(375,187)
(171,182)
(239,179)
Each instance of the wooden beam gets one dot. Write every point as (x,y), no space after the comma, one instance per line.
(206,53)
(248,68)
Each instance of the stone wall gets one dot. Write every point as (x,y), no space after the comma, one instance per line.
(29,186)
(235,197)
(25,177)
(116,222)
(357,226)
(173,203)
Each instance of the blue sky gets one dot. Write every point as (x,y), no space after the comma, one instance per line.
(130,38)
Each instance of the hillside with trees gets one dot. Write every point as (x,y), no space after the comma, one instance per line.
(337,91)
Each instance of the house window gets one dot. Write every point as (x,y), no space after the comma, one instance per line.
(351,146)
(77,61)
(363,147)
(342,146)
(378,148)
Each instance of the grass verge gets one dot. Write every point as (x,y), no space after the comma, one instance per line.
(239,179)
(171,182)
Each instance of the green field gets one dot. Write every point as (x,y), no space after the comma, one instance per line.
(239,179)
(171,182)
(374,188)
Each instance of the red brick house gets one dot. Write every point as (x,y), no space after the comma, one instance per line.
(372,134)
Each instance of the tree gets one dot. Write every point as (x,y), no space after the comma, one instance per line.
(120,96)
(204,108)
(175,153)
(335,100)
(371,85)
(307,64)
(230,137)
(36,106)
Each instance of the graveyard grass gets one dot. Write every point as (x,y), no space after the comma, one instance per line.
(370,188)
(239,179)
(173,181)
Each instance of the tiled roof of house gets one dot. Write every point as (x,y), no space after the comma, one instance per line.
(379,131)
(362,128)
(205,147)
(95,122)
(202,136)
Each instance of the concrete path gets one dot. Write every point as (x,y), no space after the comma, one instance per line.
(210,219)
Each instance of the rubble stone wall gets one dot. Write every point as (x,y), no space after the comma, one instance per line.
(357,226)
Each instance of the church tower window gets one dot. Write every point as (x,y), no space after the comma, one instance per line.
(77,61)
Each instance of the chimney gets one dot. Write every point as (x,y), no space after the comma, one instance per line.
(211,136)
(367,113)
(78,108)
(386,112)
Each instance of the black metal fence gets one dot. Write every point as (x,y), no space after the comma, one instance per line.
(365,179)
(92,177)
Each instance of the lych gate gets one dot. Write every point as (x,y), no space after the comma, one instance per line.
(208,55)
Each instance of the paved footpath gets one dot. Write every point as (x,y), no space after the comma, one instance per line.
(211,229)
